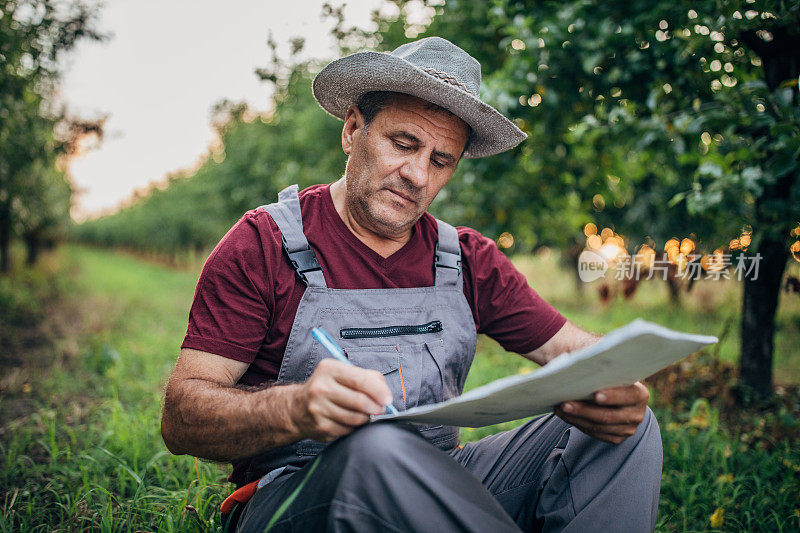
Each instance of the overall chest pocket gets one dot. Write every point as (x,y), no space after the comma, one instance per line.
(409,356)
(386,360)
(417,373)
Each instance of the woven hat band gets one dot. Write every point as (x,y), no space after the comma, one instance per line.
(445,77)
(444,60)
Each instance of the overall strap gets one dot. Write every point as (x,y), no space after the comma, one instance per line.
(447,257)
(286,214)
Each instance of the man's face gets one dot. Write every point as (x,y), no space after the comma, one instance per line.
(399,163)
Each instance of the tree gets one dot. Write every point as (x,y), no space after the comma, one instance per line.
(659,119)
(676,117)
(34,34)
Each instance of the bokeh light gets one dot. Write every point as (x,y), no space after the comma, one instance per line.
(680,252)
(713,262)
(506,240)
(795,246)
(608,244)
(645,258)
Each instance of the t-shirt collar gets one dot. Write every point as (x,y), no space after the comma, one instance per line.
(349,238)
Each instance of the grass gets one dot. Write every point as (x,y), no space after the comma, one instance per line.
(89,455)
(80,446)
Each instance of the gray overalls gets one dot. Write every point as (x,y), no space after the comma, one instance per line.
(421,339)
(543,475)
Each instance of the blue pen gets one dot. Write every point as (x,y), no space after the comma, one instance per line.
(329,344)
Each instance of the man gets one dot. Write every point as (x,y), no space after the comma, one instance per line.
(404,294)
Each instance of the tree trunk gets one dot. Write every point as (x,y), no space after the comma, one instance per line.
(759,306)
(5,236)
(673,283)
(781,62)
(33,243)
(760,295)
(570,257)
(674,291)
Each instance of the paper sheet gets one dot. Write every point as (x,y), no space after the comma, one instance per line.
(624,356)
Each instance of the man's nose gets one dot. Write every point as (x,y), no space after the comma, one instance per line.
(415,170)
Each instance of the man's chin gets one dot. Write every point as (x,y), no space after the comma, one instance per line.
(392,220)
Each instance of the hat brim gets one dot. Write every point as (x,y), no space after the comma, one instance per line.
(342,82)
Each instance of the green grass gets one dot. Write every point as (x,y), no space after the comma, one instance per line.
(706,470)
(87,453)
(90,455)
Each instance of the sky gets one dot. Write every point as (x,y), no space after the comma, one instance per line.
(164,67)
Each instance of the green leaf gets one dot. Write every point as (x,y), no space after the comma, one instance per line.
(288,501)
(678,198)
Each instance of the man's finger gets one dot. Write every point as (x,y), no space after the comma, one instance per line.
(597,414)
(345,417)
(354,400)
(329,430)
(370,382)
(627,395)
(609,433)
(616,430)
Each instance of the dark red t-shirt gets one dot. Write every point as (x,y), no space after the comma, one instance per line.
(247,296)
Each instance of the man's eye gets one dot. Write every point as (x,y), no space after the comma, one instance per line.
(438,164)
(402,146)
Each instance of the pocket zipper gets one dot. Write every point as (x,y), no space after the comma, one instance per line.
(390,331)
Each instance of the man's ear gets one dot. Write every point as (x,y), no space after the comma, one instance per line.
(353,124)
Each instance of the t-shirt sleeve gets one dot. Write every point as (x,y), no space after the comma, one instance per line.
(230,312)
(504,305)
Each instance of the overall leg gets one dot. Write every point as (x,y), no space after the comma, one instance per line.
(381,477)
(549,476)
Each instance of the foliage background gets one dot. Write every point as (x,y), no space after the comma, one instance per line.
(657,120)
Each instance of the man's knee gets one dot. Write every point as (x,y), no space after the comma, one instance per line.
(377,443)
(644,444)
(650,433)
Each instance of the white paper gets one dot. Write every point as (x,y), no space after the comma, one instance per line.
(624,356)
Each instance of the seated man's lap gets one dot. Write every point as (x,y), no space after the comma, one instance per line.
(382,476)
(546,473)
(387,474)
(515,464)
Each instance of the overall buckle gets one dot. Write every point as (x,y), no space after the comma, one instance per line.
(303,261)
(446,259)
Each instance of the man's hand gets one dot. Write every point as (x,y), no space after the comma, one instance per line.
(613,416)
(337,398)
(615,413)
(206,415)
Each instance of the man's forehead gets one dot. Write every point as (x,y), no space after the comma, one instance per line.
(409,113)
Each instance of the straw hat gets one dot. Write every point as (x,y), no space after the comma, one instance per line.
(433,69)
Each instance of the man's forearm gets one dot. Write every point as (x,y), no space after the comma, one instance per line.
(221,423)
(568,339)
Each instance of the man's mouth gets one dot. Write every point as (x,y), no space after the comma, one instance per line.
(402,196)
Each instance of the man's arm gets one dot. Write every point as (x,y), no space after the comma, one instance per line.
(567,339)
(615,413)
(207,416)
